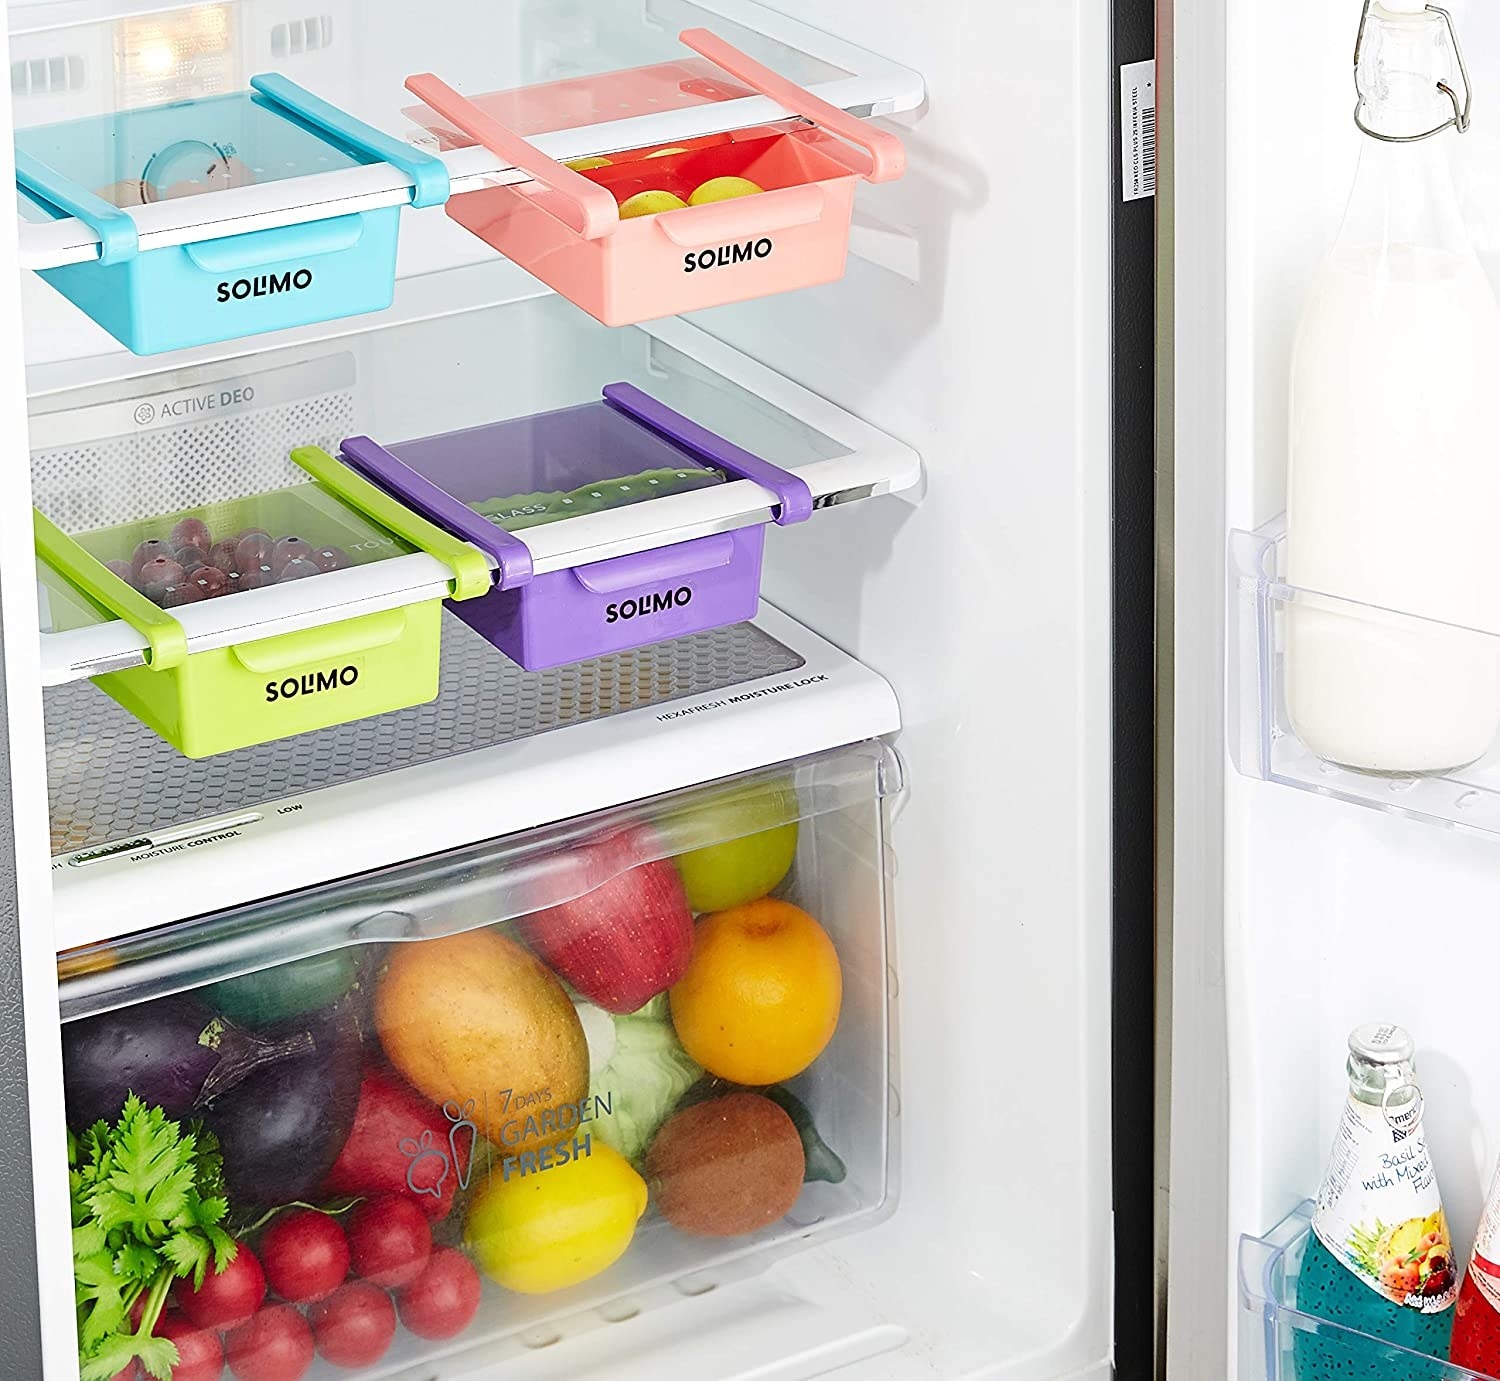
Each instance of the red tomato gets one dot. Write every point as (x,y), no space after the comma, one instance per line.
(276,1345)
(228,1298)
(443,1300)
(131,1371)
(306,1255)
(354,1326)
(389,1241)
(200,1354)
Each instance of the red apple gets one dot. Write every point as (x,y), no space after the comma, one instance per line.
(391,1116)
(627,939)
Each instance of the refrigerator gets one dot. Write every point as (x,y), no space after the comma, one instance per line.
(719,931)
(1307,899)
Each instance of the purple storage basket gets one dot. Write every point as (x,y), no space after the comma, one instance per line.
(608,606)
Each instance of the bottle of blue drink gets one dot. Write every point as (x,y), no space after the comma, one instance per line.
(1379,1259)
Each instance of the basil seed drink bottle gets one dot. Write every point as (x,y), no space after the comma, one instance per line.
(1392,484)
(1379,1258)
(1476,1316)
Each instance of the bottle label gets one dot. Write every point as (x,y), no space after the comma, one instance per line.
(1379,1210)
(1484,1268)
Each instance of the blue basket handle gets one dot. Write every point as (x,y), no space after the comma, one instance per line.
(429,175)
(118,237)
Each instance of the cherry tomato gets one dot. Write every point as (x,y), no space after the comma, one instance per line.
(306,1255)
(200,1354)
(131,1371)
(389,1241)
(276,1345)
(354,1326)
(443,1300)
(228,1298)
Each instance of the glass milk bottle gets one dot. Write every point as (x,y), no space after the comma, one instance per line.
(1379,1258)
(1394,468)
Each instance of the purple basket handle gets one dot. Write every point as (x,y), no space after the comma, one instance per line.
(794,498)
(508,551)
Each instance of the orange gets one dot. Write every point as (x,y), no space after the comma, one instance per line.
(760,999)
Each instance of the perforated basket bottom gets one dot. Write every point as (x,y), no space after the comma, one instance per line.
(111,778)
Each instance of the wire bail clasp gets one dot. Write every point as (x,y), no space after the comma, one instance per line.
(1462,111)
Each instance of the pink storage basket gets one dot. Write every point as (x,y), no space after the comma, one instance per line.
(565,227)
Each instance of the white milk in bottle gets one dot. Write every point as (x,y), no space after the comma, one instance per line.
(1394,473)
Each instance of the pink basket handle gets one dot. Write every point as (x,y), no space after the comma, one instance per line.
(588,209)
(887,157)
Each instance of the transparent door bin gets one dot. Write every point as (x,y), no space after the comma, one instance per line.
(627,452)
(772,211)
(1415,701)
(301,553)
(1273,1331)
(646,1048)
(315,265)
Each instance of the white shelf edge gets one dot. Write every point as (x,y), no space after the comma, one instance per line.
(357,827)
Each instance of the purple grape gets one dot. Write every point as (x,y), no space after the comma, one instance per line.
(192,532)
(211,580)
(245,532)
(253,577)
(123,570)
(149,550)
(170,596)
(223,555)
(331,558)
(252,550)
(189,557)
(161,570)
(299,568)
(289,549)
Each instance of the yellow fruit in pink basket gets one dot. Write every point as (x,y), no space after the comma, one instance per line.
(724,189)
(662,153)
(650,204)
(582,165)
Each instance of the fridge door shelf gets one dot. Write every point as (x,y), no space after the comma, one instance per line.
(586,115)
(1456,669)
(257,688)
(320,263)
(373,982)
(1270,1324)
(628,452)
(568,227)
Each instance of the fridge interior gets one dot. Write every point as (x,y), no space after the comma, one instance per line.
(1001,673)
(1309,898)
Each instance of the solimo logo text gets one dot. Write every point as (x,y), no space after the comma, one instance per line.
(311,683)
(704,259)
(265,285)
(659,602)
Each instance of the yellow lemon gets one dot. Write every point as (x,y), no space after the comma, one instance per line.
(650,204)
(724,189)
(662,153)
(582,165)
(535,1229)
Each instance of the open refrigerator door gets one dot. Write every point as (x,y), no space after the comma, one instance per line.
(1333,842)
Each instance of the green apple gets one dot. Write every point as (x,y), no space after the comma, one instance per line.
(757,827)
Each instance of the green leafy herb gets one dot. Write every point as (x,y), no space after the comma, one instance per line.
(148,1200)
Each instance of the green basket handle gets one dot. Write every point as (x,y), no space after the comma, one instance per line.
(166,639)
(470,566)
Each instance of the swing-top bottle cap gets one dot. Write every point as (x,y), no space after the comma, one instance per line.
(1395,7)
(1380,1043)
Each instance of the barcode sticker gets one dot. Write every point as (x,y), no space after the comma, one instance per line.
(1138,130)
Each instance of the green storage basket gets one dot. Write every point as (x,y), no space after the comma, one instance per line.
(215,701)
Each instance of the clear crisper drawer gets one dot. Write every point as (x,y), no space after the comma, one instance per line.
(1280,1342)
(1376,706)
(444,1105)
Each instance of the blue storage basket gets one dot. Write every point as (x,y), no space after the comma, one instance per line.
(237,285)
